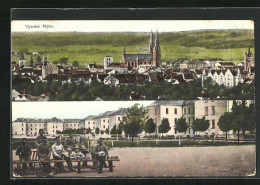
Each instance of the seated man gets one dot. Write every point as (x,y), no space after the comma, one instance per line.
(92,144)
(71,144)
(84,145)
(39,138)
(44,153)
(59,154)
(101,154)
(24,152)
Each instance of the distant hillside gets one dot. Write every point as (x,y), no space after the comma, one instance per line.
(93,47)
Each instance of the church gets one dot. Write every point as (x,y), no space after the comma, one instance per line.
(151,59)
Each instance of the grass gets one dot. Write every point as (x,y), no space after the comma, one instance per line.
(87,48)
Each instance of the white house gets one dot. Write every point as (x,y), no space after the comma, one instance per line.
(111,80)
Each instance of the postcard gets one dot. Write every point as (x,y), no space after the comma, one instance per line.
(133,99)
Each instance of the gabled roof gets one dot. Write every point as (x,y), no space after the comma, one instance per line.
(172,102)
(90,117)
(118,112)
(133,57)
(71,120)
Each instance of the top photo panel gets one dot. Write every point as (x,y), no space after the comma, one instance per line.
(111,60)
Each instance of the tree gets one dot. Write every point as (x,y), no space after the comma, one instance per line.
(88,130)
(97,130)
(149,126)
(134,120)
(181,125)
(113,130)
(225,122)
(39,59)
(165,126)
(64,60)
(55,62)
(107,131)
(200,125)
(75,63)
(244,117)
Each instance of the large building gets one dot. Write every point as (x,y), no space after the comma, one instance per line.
(152,58)
(172,110)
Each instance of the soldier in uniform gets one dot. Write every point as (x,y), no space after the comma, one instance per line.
(44,153)
(92,144)
(84,145)
(59,154)
(24,152)
(101,152)
(39,138)
(71,144)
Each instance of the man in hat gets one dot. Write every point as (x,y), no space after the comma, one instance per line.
(101,154)
(44,153)
(59,154)
(92,144)
(71,144)
(24,152)
(39,138)
(84,145)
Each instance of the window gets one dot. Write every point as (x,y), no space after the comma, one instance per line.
(175,111)
(74,125)
(189,110)
(93,123)
(31,129)
(213,110)
(53,126)
(104,126)
(213,124)
(66,125)
(167,111)
(175,120)
(89,123)
(184,111)
(22,125)
(118,118)
(206,111)
(56,126)
(35,129)
(53,131)
(39,125)
(103,120)
(31,125)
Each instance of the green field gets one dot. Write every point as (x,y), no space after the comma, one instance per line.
(229,45)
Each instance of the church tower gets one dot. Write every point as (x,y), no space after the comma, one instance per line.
(157,52)
(150,49)
(31,62)
(248,61)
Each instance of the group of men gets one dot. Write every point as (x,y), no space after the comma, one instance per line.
(86,144)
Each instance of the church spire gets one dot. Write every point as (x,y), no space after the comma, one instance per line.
(151,41)
(249,53)
(157,41)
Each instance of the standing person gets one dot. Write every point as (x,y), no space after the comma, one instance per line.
(59,154)
(24,152)
(92,144)
(71,144)
(39,138)
(84,145)
(101,154)
(44,153)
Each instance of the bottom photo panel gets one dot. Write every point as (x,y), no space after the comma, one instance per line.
(133,139)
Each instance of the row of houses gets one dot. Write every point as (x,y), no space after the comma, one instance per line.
(158,110)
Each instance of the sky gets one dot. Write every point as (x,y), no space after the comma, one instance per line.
(69,109)
(128,25)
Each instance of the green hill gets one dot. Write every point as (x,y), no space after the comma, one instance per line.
(87,48)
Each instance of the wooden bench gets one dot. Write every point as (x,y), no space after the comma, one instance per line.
(79,161)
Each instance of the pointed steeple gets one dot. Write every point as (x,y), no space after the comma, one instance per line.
(31,61)
(151,40)
(22,56)
(157,41)
(249,53)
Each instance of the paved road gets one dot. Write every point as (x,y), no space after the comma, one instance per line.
(232,161)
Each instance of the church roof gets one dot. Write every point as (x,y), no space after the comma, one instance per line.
(132,57)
